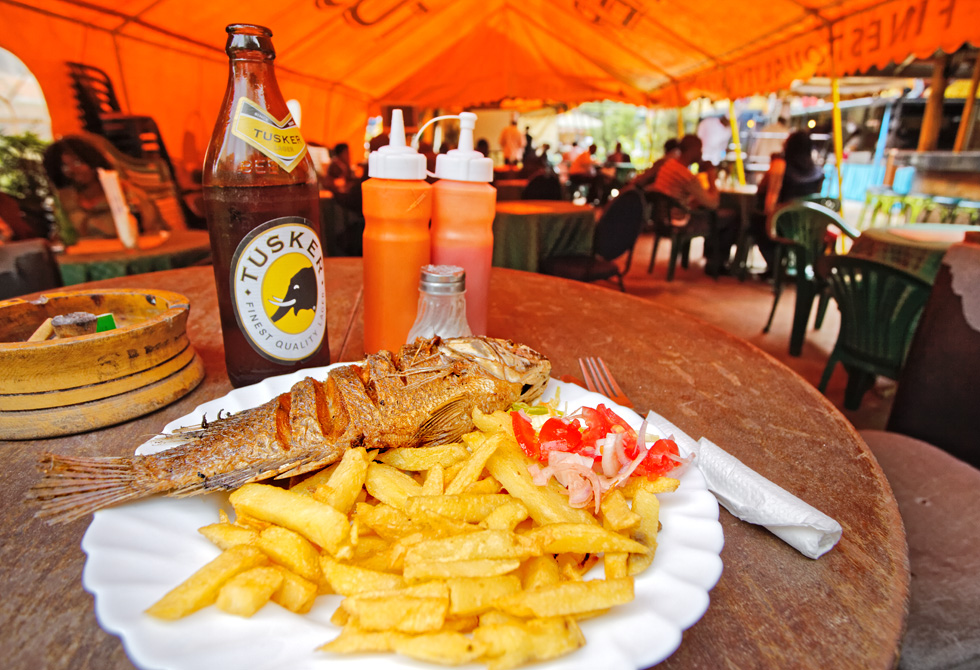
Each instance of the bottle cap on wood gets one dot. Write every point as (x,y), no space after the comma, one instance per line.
(74,324)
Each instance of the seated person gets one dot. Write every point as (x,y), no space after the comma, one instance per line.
(645,179)
(340,174)
(483,146)
(584,172)
(792,174)
(72,166)
(617,156)
(676,180)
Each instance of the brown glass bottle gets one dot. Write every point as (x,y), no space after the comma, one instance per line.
(262,207)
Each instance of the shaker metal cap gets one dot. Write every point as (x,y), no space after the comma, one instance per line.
(442,279)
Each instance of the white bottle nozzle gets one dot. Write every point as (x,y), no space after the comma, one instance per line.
(467,122)
(463,163)
(396,135)
(396,160)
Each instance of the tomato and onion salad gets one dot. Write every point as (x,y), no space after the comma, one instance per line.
(591,451)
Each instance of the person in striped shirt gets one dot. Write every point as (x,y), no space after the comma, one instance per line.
(676,180)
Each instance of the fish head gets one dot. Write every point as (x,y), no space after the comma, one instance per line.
(504,359)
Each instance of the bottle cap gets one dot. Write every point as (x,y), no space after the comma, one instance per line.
(397,160)
(463,163)
(442,279)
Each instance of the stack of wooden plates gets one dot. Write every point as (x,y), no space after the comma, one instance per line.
(74,384)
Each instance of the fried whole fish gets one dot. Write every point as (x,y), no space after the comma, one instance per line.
(422,396)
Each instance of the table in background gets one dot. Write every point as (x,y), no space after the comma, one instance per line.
(510,189)
(917,247)
(741,200)
(95,259)
(527,231)
(772,608)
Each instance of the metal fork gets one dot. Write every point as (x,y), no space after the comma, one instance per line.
(599,379)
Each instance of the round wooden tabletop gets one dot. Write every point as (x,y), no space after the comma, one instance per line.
(772,608)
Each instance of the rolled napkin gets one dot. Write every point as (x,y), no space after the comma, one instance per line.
(753,498)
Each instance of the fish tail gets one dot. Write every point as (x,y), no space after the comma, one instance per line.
(75,487)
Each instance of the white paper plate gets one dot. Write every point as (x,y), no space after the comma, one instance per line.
(138,552)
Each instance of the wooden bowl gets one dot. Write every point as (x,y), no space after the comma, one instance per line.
(73,384)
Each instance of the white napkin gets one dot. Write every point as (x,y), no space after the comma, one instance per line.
(753,498)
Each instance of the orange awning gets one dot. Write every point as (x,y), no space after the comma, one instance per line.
(343,59)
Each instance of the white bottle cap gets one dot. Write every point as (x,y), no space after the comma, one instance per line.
(397,160)
(463,163)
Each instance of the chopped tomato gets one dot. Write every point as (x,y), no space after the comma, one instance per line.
(526,437)
(559,435)
(658,461)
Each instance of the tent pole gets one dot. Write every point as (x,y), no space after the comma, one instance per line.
(835,97)
(838,135)
(882,141)
(931,120)
(965,130)
(733,121)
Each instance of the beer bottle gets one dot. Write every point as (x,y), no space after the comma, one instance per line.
(262,206)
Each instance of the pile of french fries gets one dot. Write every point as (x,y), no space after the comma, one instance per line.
(447,554)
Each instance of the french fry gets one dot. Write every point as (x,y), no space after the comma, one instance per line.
(201,589)
(317,522)
(645,504)
(347,480)
(435,481)
(292,550)
(295,594)
(484,567)
(498,422)
(348,580)
(464,506)
(616,512)
(658,485)
(540,572)
(405,614)
(568,598)
(353,640)
(425,458)
(545,504)
(308,485)
(559,538)
(487,485)
(227,535)
(616,565)
(475,595)
(246,593)
(506,516)
(509,645)
(444,647)
(484,544)
(390,486)
(473,468)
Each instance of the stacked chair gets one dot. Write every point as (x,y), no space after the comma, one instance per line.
(136,136)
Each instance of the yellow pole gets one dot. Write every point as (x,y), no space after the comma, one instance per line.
(964,132)
(838,134)
(739,166)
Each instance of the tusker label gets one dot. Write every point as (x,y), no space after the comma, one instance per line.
(277,289)
(279,140)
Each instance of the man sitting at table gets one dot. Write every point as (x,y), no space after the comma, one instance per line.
(676,180)
(584,172)
(645,179)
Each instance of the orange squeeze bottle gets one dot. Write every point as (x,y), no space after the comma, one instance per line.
(397,208)
(463,208)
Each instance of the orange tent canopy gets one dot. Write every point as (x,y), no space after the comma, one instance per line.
(342,59)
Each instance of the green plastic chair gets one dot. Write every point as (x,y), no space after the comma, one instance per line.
(880,306)
(800,232)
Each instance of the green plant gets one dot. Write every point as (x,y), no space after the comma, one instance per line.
(22,176)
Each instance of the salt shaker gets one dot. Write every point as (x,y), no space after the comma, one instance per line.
(442,303)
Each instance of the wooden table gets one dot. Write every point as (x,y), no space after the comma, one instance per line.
(527,231)
(740,199)
(917,247)
(772,608)
(95,259)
